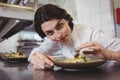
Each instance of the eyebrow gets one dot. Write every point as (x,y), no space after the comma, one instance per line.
(58,22)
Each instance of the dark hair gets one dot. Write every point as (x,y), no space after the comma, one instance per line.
(48,12)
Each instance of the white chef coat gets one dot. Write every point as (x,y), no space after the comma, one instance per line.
(80,35)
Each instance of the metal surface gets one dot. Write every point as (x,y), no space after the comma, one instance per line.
(24,8)
(13,17)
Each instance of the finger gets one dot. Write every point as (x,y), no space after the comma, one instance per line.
(46,59)
(37,61)
(48,66)
(51,58)
(95,48)
(85,45)
(99,55)
(89,52)
(92,50)
(39,64)
(41,60)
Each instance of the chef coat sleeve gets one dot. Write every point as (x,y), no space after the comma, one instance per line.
(48,47)
(109,42)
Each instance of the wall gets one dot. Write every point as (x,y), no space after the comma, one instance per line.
(9,44)
(71,8)
(96,13)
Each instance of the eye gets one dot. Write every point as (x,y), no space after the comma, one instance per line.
(59,26)
(49,33)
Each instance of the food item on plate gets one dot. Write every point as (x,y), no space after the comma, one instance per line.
(15,55)
(80,59)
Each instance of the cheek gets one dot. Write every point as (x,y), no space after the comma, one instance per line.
(67,31)
(52,37)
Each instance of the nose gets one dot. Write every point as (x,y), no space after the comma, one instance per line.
(58,35)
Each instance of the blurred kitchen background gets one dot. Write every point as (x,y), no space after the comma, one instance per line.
(16,20)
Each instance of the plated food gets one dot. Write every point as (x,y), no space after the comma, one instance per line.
(80,62)
(80,58)
(14,57)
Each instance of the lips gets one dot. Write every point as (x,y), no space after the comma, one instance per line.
(62,40)
(59,40)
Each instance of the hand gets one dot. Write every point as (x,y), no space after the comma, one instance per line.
(98,50)
(41,61)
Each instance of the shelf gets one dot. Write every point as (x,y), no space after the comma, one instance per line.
(17,7)
(16,11)
(26,47)
(28,41)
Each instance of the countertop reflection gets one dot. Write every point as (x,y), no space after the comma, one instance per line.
(24,71)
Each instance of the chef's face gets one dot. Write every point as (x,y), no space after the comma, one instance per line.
(57,30)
